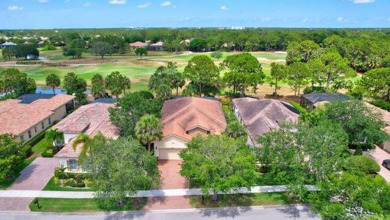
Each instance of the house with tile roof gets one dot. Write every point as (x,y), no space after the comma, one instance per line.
(138,44)
(184,118)
(158,46)
(260,116)
(30,114)
(7,45)
(91,119)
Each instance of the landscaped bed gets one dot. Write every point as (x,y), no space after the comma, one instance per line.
(81,205)
(233,200)
(52,186)
(24,164)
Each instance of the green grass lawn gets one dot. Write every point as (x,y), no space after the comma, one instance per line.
(80,205)
(50,186)
(24,164)
(257,199)
(41,146)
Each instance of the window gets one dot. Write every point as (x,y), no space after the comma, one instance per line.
(29,134)
(22,137)
(49,120)
(72,164)
(35,129)
(43,125)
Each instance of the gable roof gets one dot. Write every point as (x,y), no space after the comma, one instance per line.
(313,98)
(18,115)
(138,44)
(184,114)
(90,119)
(262,116)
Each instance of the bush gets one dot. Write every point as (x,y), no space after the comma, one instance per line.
(83,101)
(48,153)
(316,89)
(382,104)
(361,164)
(225,102)
(88,183)
(80,184)
(56,181)
(69,182)
(27,150)
(298,107)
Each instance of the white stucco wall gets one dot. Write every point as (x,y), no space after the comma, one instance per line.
(171,142)
(68,137)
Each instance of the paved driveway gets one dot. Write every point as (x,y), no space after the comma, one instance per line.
(379,155)
(170,179)
(33,177)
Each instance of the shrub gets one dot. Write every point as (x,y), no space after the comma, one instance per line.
(316,89)
(69,182)
(48,153)
(56,181)
(382,104)
(361,164)
(59,172)
(80,184)
(225,102)
(27,150)
(298,107)
(88,183)
(83,101)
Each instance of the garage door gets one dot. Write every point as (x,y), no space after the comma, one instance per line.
(169,154)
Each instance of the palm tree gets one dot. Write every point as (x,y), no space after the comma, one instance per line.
(53,81)
(87,142)
(56,137)
(97,89)
(148,129)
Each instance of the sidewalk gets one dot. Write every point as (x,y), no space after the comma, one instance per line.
(148,193)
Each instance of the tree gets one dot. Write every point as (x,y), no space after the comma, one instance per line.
(165,79)
(376,83)
(244,70)
(130,108)
(202,71)
(198,45)
(140,51)
(98,86)
(11,156)
(87,143)
(101,48)
(177,81)
(216,55)
(297,76)
(75,85)
(218,164)
(361,165)
(148,129)
(278,73)
(120,168)
(363,126)
(117,83)
(74,48)
(235,130)
(16,82)
(7,53)
(53,81)
(301,52)
(350,196)
(26,51)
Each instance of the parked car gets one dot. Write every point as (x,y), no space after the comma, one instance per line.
(386,163)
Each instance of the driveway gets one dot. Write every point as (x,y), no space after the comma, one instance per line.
(170,179)
(379,155)
(33,177)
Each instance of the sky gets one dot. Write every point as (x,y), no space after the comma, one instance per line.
(47,14)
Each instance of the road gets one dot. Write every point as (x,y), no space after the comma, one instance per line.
(247,213)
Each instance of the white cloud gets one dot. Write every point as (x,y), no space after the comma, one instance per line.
(144,5)
(340,18)
(87,4)
(362,1)
(43,1)
(224,8)
(14,8)
(117,2)
(168,3)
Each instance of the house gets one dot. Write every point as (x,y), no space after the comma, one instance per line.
(7,45)
(159,46)
(40,43)
(30,114)
(90,119)
(138,44)
(182,119)
(310,101)
(260,116)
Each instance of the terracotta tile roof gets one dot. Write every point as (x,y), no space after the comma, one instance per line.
(19,115)
(90,119)
(262,116)
(184,114)
(138,44)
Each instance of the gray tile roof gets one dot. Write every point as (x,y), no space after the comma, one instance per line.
(262,116)
(324,97)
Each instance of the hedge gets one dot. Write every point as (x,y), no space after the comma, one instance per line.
(361,164)
(382,104)
(298,107)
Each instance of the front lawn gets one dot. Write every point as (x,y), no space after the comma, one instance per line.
(24,164)
(80,205)
(234,200)
(51,186)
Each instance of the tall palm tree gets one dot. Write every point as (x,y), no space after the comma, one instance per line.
(87,142)
(148,129)
(53,81)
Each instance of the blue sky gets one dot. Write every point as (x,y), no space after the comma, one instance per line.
(26,14)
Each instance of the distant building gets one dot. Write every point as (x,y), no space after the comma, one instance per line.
(90,119)
(159,46)
(30,114)
(310,101)
(40,44)
(260,116)
(7,45)
(138,44)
